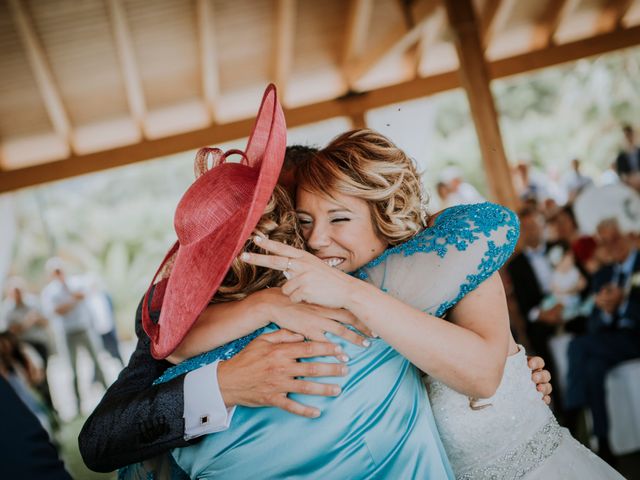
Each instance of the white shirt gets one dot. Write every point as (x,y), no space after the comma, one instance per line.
(542,270)
(204,408)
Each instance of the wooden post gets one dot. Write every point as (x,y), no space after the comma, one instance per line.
(474,76)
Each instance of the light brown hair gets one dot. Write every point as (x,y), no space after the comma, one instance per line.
(278,222)
(365,164)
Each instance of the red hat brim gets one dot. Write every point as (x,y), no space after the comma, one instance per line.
(199,268)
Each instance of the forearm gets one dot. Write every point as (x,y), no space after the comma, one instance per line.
(132,426)
(467,361)
(220,324)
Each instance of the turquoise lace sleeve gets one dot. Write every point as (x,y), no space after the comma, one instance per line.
(225,352)
(459,227)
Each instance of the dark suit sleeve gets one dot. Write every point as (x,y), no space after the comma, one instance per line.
(525,287)
(25,446)
(135,420)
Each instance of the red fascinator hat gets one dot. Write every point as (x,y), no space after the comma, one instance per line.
(213,220)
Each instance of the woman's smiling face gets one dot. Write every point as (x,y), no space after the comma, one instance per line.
(338,230)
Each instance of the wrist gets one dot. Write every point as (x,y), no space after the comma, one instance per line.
(259,307)
(358,295)
(226,392)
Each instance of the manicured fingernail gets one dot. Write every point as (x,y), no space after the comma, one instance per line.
(245,256)
(374,335)
(257,239)
(315,414)
(344,370)
(343,358)
(336,391)
(366,343)
(338,348)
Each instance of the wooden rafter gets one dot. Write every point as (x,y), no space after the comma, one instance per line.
(475,78)
(128,63)
(612,14)
(502,11)
(487,20)
(549,22)
(396,43)
(208,56)
(42,72)
(285,35)
(358,24)
(434,28)
(347,106)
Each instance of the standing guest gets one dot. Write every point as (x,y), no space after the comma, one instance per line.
(23,318)
(628,160)
(68,304)
(575,181)
(613,331)
(459,192)
(531,272)
(100,304)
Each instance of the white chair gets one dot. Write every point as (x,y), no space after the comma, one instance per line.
(622,387)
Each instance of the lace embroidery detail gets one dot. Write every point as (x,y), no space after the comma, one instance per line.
(523,459)
(458,227)
(225,352)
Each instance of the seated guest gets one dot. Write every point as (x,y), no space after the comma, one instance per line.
(613,330)
(628,160)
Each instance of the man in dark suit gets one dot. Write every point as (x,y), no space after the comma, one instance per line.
(613,330)
(530,273)
(26,450)
(628,160)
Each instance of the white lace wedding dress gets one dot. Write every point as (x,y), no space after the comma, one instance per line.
(512,435)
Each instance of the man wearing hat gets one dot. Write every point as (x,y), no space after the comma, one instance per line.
(137,420)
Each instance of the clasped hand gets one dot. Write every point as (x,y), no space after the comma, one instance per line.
(309,279)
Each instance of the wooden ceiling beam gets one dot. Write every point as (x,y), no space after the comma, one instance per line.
(208,56)
(487,20)
(474,76)
(396,43)
(128,64)
(611,15)
(549,21)
(358,23)
(502,11)
(284,44)
(44,77)
(346,106)
(433,29)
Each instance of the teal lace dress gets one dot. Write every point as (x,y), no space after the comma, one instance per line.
(381,425)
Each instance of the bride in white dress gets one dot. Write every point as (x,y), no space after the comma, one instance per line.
(510,435)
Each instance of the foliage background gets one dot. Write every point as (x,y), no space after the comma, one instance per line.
(118,223)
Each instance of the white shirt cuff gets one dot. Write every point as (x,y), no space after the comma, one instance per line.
(204,409)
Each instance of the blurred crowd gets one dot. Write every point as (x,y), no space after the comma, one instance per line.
(70,314)
(574,284)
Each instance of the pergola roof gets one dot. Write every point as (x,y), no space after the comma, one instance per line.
(92,84)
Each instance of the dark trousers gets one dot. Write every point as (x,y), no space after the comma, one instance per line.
(43,387)
(110,342)
(591,356)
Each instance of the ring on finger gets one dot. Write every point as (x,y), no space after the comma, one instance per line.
(286,272)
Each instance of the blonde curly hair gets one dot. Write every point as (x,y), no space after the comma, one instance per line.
(365,164)
(278,222)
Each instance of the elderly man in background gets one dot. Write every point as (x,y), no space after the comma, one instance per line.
(613,334)
(59,299)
